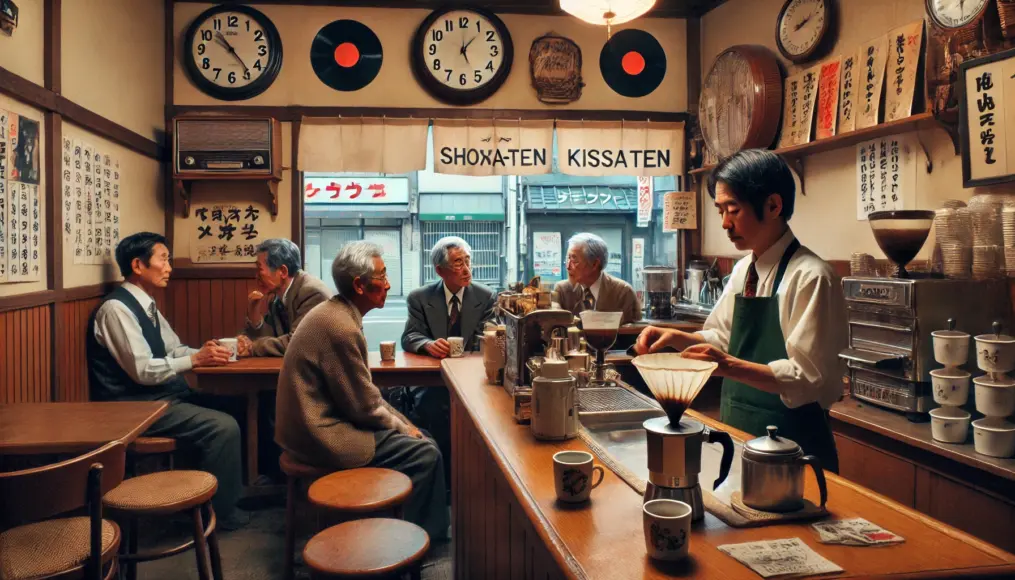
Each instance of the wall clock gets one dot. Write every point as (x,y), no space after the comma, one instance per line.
(232,52)
(804,28)
(461,55)
(955,14)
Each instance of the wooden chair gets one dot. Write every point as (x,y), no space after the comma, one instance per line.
(296,473)
(369,548)
(148,446)
(165,493)
(70,547)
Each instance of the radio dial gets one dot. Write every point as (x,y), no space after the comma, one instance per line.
(189,160)
(258,160)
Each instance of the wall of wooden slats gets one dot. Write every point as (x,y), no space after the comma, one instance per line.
(72,366)
(25,351)
(201,310)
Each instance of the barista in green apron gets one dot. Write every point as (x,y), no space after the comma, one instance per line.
(779,367)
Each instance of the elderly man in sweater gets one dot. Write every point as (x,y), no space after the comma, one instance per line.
(329,412)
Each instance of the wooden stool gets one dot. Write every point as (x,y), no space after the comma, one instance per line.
(295,473)
(364,490)
(370,548)
(149,446)
(166,493)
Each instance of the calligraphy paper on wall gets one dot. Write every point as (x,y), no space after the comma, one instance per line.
(828,98)
(67,190)
(904,48)
(885,175)
(809,97)
(680,211)
(3,197)
(78,183)
(791,110)
(226,233)
(988,120)
(848,93)
(873,57)
(34,262)
(599,148)
(484,147)
(92,192)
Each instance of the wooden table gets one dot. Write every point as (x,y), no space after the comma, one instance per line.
(508,524)
(41,428)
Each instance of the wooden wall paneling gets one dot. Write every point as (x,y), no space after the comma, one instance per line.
(296,179)
(26,374)
(876,470)
(52,76)
(978,513)
(72,371)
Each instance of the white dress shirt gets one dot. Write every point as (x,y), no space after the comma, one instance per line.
(448,295)
(117,329)
(812,316)
(284,294)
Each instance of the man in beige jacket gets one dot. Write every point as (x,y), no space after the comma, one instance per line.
(329,412)
(284,295)
(589,287)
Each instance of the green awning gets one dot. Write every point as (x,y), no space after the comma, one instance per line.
(461,207)
(581,198)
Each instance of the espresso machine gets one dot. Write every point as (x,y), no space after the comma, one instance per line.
(658,292)
(890,353)
(528,335)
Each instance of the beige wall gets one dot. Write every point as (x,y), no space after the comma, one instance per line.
(141,205)
(825,219)
(113,60)
(21,53)
(10,289)
(209,192)
(395,86)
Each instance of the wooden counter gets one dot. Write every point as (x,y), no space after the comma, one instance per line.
(951,482)
(507,523)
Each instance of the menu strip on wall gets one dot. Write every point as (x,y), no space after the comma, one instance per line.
(885,175)
(904,45)
(847,95)
(828,98)
(873,57)
(92,194)
(20,171)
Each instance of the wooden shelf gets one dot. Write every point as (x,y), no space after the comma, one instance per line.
(916,122)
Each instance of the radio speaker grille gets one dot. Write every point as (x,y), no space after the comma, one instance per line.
(223,135)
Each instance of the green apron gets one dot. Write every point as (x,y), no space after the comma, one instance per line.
(757,337)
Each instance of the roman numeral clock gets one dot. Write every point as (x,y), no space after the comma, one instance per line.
(461,55)
(232,52)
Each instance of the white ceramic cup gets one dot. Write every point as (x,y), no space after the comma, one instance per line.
(457,345)
(573,475)
(950,386)
(232,344)
(994,437)
(949,424)
(951,347)
(995,354)
(387,350)
(667,524)
(995,397)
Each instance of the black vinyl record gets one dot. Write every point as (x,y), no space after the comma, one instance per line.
(346,55)
(633,63)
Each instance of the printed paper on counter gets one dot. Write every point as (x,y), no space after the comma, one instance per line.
(779,557)
(854,532)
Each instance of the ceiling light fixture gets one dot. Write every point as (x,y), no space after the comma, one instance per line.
(607,12)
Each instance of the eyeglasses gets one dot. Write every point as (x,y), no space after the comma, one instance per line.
(382,277)
(461,264)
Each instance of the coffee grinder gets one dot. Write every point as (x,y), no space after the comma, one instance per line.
(600,330)
(674,441)
(658,291)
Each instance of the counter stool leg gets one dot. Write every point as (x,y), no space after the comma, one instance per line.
(130,570)
(399,512)
(200,546)
(292,487)
(213,543)
(417,572)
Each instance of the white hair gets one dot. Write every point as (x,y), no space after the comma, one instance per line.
(592,246)
(354,260)
(439,253)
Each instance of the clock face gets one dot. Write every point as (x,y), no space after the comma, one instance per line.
(955,13)
(462,55)
(802,26)
(233,52)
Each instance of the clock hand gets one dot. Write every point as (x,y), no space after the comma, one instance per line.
(802,23)
(222,39)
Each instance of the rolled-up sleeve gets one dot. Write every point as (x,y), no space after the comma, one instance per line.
(813,330)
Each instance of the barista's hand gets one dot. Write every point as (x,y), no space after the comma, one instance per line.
(653,339)
(439,348)
(709,353)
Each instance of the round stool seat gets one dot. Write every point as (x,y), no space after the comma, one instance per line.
(361,490)
(51,547)
(294,468)
(164,492)
(366,548)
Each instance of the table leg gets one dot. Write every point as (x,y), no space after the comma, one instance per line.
(252,473)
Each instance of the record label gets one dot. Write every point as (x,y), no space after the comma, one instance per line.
(633,63)
(346,55)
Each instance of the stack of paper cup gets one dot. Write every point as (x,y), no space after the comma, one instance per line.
(494,357)
(952,235)
(1008,232)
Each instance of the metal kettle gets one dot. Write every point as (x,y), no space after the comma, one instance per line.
(772,471)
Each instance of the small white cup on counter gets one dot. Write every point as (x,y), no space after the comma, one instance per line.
(573,475)
(950,386)
(994,437)
(457,346)
(387,350)
(949,424)
(667,526)
(951,347)
(995,353)
(233,345)
(995,397)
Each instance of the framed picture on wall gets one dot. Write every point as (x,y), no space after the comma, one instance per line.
(987,119)
(8,16)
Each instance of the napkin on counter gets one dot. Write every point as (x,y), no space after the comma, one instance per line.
(779,557)
(855,532)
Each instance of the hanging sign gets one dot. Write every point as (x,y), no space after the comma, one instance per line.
(791,110)
(644,201)
(597,148)
(847,94)
(333,189)
(362,145)
(680,211)
(225,233)
(987,119)
(885,175)
(546,255)
(638,267)
(484,147)
(872,75)
(904,45)
(828,98)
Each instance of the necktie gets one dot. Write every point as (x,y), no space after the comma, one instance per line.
(453,317)
(589,301)
(751,286)
(153,314)
(280,315)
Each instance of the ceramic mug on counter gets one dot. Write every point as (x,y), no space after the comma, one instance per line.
(949,424)
(388,350)
(457,346)
(995,353)
(233,345)
(667,526)
(950,385)
(573,474)
(994,437)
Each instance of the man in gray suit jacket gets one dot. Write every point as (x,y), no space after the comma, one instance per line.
(588,287)
(455,306)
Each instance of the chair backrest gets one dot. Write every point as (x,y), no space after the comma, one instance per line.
(41,492)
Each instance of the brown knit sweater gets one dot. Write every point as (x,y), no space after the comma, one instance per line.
(328,407)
